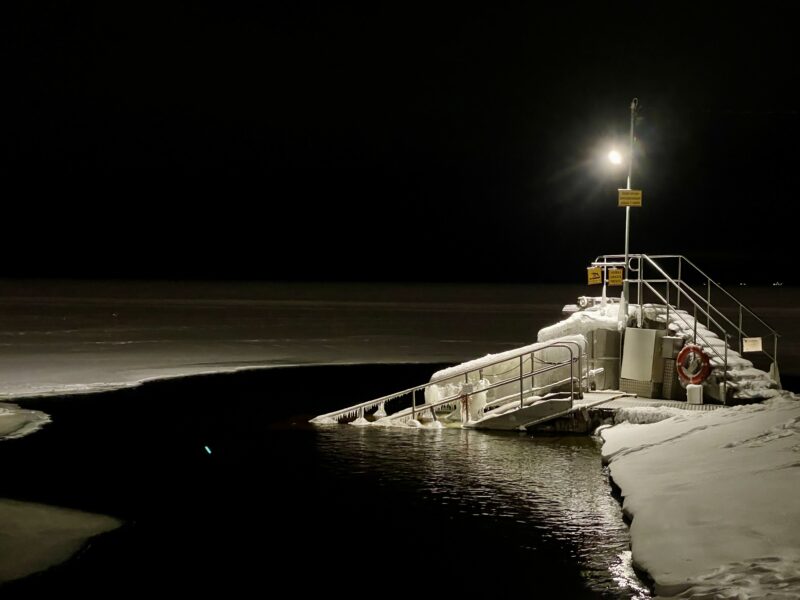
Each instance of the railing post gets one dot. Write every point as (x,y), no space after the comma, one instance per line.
(520,382)
(572,374)
(775,356)
(667,321)
(740,328)
(725,372)
(414,404)
(708,303)
(639,289)
(532,363)
(680,282)
(694,334)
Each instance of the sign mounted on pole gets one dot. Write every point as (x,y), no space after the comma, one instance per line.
(595,275)
(629,198)
(751,344)
(615,276)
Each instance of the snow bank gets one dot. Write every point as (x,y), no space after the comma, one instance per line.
(712,497)
(595,317)
(494,369)
(485,361)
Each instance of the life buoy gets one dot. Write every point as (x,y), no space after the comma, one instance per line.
(692,364)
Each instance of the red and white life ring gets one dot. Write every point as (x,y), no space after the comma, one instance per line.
(692,364)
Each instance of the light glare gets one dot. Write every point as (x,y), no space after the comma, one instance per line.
(615,157)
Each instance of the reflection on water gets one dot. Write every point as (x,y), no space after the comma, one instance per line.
(538,493)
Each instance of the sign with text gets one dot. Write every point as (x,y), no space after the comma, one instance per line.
(751,344)
(615,276)
(595,275)
(630,198)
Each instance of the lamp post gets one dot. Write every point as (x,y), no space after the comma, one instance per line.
(616,158)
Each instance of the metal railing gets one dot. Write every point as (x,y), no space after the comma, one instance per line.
(636,266)
(575,360)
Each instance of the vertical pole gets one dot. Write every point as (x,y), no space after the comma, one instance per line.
(740,329)
(694,335)
(667,321)
(520,382)
(634,104)
(627,233)
(775,357)
(725,372)
(708,303)
(680,283)
(639,268)
(414,404)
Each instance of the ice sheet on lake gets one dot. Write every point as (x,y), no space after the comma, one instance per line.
(34,537)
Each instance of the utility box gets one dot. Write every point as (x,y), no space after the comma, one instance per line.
(671,346)
(605,355)
(671,387)
(642,371)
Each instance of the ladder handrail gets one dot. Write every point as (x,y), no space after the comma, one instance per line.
(421,408)
(465,371)
(680,257)
(731,296)
(728,336)
(688,325)
(674,283)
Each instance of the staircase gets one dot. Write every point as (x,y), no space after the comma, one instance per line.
(720,327)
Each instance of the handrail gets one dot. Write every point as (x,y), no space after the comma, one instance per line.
(660,270)
(680,316)
(731,296)
(701,272)
(687,290)
(465,371)
(406,411)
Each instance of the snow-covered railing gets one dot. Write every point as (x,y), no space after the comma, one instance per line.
(576,355)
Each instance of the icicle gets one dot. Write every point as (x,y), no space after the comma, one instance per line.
(381,412)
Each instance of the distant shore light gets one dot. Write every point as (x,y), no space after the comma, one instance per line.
(615,157)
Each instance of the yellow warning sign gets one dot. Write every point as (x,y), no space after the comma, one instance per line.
(595,275)
(630,198)
(615,276)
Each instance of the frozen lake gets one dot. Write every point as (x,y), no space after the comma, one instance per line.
(81,336)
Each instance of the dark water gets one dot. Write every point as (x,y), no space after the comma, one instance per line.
(282,505)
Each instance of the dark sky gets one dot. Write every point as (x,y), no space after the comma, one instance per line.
(393,140)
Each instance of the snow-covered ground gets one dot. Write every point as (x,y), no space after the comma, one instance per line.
(713,498)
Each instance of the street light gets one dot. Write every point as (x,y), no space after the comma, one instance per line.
(616,158)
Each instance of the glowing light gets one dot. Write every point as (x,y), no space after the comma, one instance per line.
(207,449)
(615,157)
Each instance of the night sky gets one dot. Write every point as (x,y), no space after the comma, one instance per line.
(393,140)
